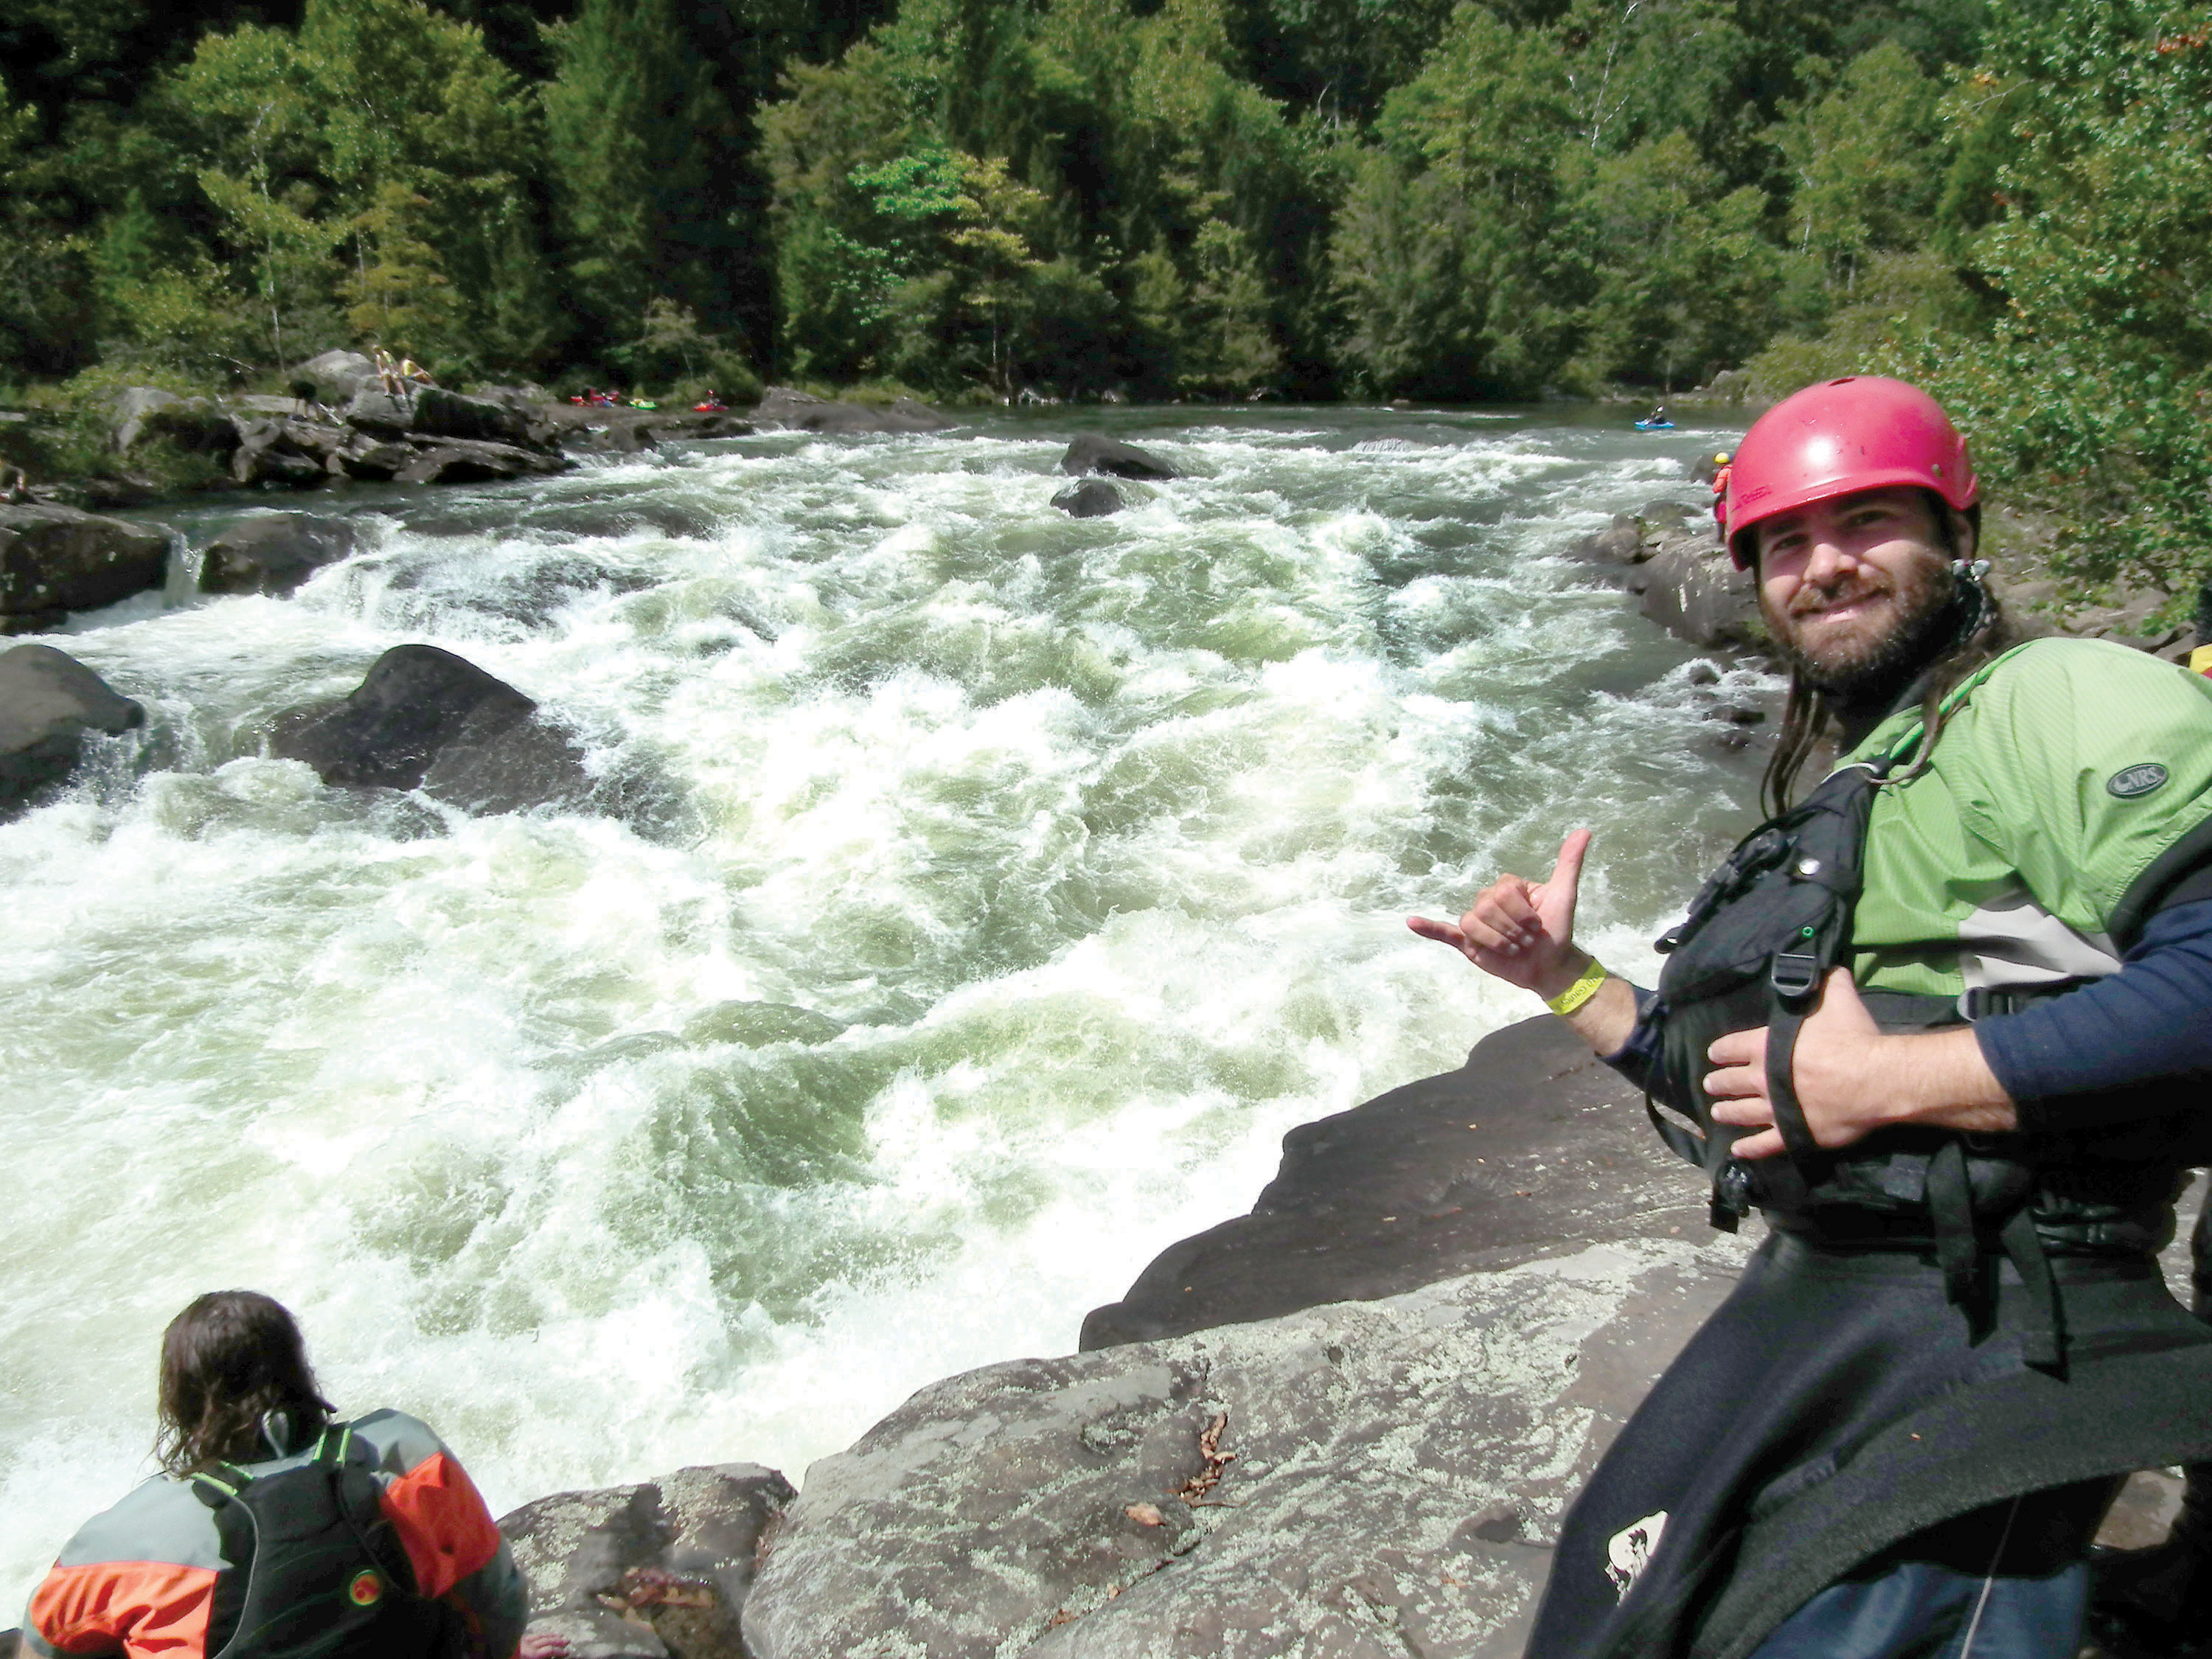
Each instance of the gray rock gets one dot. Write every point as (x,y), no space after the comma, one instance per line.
(426,718)
(434,412)
(1091,498)
(456,460)
(800,412)
(1090,452)
(373,459)
(193,424)
(48,701)
(1696,593)
(1620,543)
(338,375)
(1531,1146)
(57,559)
(379,414)
(661,1568)
(622,438)
(1386,1478)
(441,414)
(269,452)
(273,553)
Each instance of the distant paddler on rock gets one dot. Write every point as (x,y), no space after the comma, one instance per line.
(1945,1021)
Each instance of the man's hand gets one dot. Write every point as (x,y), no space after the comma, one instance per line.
(1520,931)
(1852,1078)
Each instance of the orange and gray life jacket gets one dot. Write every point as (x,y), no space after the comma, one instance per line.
(271,1557)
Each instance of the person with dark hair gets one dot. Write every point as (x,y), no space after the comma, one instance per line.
(276,1528)
(1944,1019)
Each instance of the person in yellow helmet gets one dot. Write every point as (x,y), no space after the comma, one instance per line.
(1722,472)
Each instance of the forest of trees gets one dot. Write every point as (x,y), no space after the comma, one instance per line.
(2010,200)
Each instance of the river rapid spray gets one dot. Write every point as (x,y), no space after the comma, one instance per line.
(1016,884)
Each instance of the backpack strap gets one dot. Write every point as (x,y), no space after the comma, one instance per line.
(336,1440)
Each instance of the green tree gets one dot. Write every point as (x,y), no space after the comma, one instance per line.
(1866,162)
(1688,282)
(1448,256)
(642,149)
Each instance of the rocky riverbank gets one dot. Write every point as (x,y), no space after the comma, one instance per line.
(1347,1423)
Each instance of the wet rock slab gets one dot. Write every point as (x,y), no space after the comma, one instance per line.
(1531,1146)
(1379,1478)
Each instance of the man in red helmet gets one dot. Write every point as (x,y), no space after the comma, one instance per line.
(1946,1022)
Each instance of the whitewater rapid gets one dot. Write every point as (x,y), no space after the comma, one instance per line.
(1008,885)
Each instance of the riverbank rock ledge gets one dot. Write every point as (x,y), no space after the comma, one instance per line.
(800,412)
(1532,1145)
(273,553)
(48,701)
(656,1570)
(1367,1478)
(1090,452)
(425,719)
(54,559)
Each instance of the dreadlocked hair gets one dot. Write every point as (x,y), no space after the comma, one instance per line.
(228,1361)
(1809,715)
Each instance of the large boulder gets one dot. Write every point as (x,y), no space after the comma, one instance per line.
(48,701)
(1090,452)
(655,1571)
(1533,1144)
(273,552)
(1693,589)
(1373,1479)
(54,559)
(1091,498)
(191,423)
(439,413)
(800,412)
(434,412)
(338,375)
(426,718)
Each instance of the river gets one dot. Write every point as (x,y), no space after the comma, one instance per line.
(1016,882)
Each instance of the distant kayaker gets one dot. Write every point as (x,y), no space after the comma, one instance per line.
(1722,471)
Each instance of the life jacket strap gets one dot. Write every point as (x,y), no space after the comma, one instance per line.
(2043,1342)
(1788,1178)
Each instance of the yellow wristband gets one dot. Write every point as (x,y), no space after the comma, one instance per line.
(1580,992)
(2200,659)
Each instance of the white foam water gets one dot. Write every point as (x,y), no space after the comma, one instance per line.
(1013,883)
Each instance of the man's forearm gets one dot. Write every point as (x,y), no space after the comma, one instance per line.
(1605,1022)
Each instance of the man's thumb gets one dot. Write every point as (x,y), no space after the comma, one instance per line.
(1567,873)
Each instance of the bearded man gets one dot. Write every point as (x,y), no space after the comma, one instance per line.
(1946,1022)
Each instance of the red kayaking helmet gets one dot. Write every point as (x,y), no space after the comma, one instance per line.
(1862,432)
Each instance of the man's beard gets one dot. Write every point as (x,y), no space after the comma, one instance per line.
(1859,672)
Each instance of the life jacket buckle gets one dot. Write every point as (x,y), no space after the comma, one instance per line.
(1794,974)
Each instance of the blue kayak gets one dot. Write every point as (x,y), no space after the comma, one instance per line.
(1655,426)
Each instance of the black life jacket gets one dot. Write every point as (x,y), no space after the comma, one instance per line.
(314,1570)
(1759,939)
